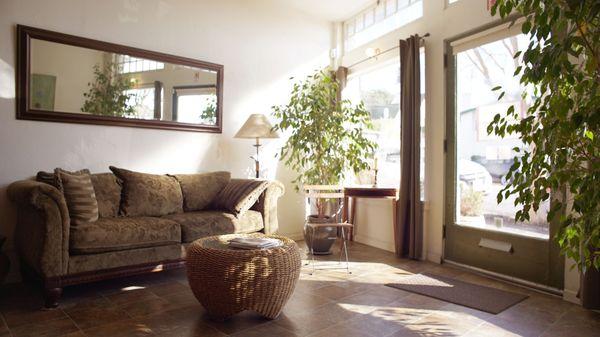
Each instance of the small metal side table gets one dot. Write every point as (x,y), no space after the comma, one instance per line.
(326,192)
(372,192)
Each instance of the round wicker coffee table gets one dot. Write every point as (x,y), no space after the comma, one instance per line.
(227,280)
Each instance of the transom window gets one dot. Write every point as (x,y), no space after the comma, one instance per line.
(380,19)
(129,64)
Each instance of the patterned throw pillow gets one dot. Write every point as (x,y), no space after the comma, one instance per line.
(108,193)
(199,190)
(239,195)
(79,194)
(51,178)
(148,194)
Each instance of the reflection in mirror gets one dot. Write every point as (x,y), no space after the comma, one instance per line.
(71,79)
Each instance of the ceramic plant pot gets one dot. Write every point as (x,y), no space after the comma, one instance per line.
(323,237)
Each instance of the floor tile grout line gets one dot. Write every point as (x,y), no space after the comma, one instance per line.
(43,321)
(554,322)
(474,328)
(6,324)
(74,323)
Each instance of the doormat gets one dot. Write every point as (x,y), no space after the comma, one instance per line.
(470,295)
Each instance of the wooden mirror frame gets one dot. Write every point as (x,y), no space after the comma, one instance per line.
(26,112)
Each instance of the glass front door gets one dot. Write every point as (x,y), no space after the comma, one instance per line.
(479,231)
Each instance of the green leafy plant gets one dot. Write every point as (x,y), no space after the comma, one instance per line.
(327,136)
(209,114)
(562,126)
(107,94)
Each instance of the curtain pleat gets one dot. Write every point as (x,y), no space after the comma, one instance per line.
(341,76)
(409,232)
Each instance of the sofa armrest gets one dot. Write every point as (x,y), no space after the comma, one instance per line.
(267,206)
(42,230)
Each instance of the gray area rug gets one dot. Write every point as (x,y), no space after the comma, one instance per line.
(470,295)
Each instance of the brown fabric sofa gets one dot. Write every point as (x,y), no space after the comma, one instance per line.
(59,254)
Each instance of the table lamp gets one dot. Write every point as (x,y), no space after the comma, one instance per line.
(257,126)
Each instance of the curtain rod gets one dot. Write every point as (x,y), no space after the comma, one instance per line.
(380,53)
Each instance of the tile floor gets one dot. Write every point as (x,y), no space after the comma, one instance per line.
(327,304)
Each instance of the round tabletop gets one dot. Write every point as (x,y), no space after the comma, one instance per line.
(221,242)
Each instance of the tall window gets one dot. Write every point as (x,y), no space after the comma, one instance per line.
(379,89)
(482,159)
(143,98)
(380,19)
(195,104)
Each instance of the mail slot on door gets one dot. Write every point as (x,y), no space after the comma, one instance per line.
(496,245)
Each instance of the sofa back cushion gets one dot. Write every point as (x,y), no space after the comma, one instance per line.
(239,195)
(199,190)
(79,194)
(148,194)
(108,193)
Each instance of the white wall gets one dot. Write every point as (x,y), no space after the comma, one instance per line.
(73,68)
(260,43)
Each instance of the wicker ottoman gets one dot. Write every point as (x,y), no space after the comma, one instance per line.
(227,280)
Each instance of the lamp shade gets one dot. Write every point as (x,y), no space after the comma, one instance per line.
(257,126)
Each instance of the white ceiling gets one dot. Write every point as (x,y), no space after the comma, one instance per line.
(331,10)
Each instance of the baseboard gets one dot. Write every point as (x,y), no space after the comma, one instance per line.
(571,296)
(510,279)
(370,241)
(434,257)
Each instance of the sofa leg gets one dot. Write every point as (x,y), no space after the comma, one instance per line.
(52,296)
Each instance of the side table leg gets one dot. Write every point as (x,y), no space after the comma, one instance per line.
(345,251)
(352,219)
(312,250)
(395,216)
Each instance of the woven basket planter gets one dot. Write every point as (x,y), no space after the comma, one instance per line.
(227,281)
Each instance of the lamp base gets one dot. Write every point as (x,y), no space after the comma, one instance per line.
(256,160)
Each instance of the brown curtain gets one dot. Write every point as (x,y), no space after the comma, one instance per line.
(409,231)
(341,76)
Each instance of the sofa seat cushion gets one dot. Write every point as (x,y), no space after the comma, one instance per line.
(125,258)
(113,234)
(196,225)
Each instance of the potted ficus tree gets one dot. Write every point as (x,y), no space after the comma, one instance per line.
(107,95)
(326,140)
(561,128)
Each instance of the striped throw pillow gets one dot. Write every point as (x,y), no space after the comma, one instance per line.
(79,194)
(239,195)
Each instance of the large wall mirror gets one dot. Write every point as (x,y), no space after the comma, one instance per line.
(66,78)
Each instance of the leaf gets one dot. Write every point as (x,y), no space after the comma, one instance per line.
(589,134)
(526,28)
